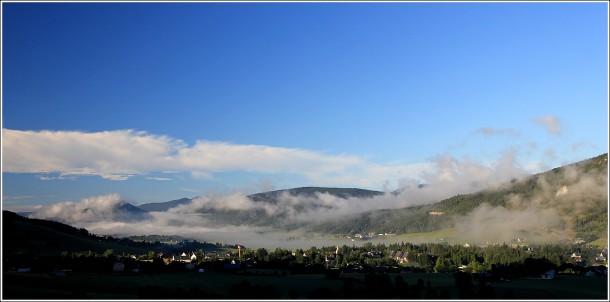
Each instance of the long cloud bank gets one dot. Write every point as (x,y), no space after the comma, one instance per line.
(118,155)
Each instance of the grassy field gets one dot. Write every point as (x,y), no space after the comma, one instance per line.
(442,235)
(601,242)
(447,235)
(129,286)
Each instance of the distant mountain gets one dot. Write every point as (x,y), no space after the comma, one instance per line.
(163,206)
(130,210)
(257,214)
(272,196)
(120,211)
(344,193)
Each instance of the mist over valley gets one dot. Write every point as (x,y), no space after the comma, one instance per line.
(460,203)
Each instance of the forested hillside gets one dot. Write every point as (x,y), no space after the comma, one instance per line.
(575,192)
(25,236)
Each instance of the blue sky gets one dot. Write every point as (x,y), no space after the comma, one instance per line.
(158,101)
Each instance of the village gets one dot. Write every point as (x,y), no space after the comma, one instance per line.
(365,267)
(405,257)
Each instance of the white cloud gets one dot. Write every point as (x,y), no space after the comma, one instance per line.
(17,208)
(449,176)
(92,209)
(553,206)
(551,123)
(488,131)
(110,154)
(159,178)
(118,155)
(5,198)
(218,156)
(190,190)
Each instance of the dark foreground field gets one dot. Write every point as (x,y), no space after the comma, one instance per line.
(278,285)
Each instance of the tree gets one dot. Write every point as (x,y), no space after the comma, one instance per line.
(260,254)
(151,255)
(108,253)
(441,265)
(476,267)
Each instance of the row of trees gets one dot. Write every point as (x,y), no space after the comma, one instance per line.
(429,257)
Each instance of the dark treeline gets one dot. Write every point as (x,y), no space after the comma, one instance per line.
(513,261)
(427,257)
(370,271)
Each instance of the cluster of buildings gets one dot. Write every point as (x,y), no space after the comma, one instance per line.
(184,258)
(600,259)
(400,257)
(369,235)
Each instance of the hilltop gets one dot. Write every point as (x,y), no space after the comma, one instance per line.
(344,193)
(273,196)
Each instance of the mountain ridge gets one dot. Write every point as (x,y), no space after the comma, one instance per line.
(164,206)
(270,196)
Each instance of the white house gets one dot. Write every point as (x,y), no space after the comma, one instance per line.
(576,256)
(601,257)
(184,258)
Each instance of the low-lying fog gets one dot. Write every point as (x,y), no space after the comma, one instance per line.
(551,206)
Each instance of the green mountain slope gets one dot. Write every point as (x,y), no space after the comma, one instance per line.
(575,193)
(164,206)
